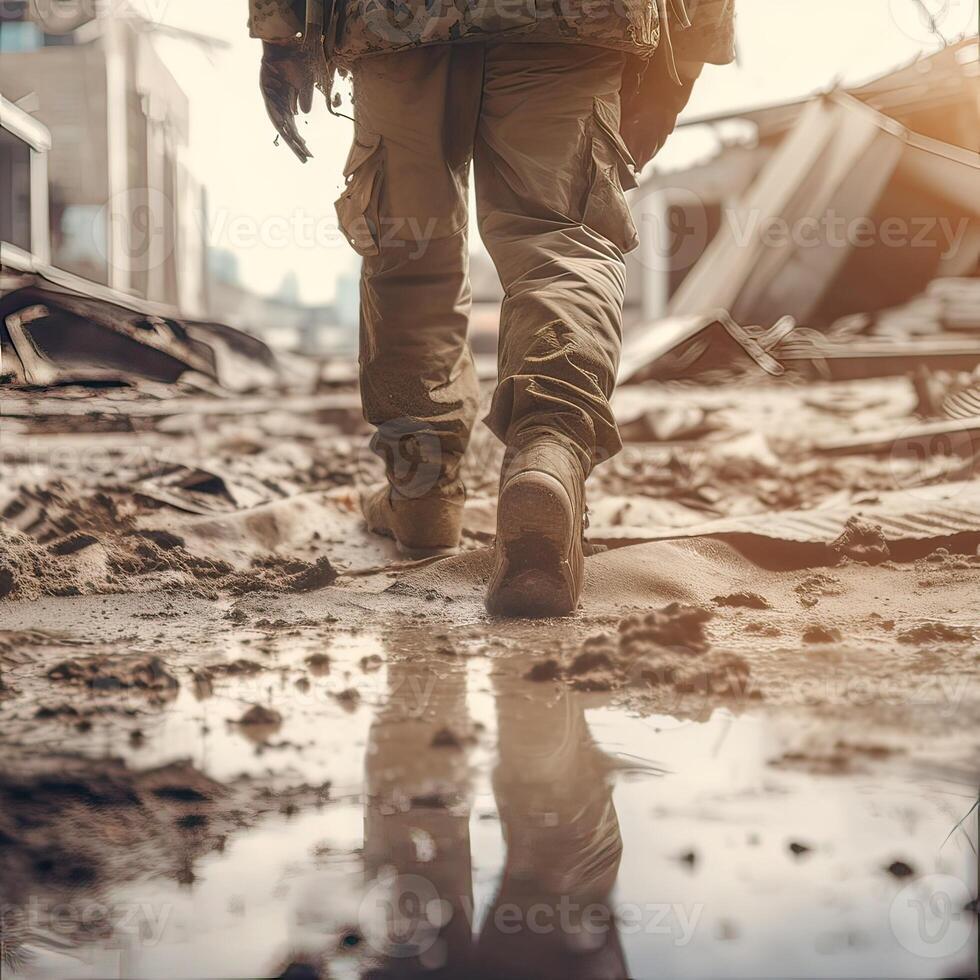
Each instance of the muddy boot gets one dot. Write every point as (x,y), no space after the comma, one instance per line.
(538,562)
(421,526)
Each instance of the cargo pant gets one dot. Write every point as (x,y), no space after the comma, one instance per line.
(540,125)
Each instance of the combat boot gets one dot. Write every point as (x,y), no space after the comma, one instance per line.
(421,526)
(538,560)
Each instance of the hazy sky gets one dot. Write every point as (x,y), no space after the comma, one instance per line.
(271,210)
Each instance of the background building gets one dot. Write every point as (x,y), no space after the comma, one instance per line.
(123,207)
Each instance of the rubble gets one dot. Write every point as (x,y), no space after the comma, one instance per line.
(861,157)
(53,336)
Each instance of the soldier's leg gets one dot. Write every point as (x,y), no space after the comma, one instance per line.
(550,171)
(405,211)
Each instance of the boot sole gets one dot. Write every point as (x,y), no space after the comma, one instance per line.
(535,536)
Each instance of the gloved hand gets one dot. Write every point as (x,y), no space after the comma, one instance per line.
(287,79)
(651,102)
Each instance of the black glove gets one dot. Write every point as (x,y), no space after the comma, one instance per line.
(287,79)
(651,102)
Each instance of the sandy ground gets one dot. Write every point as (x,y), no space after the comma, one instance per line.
(242,737)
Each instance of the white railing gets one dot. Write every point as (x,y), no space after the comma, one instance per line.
(28,130)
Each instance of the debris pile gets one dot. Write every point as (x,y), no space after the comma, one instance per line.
(53,336)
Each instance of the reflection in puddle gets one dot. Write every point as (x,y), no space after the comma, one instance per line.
(482,825)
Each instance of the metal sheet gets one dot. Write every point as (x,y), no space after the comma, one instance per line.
(920,514)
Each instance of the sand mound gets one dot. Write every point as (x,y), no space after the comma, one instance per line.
(616,582)
(90,563)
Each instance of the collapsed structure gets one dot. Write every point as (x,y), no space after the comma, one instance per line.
(843,243)
(850,201)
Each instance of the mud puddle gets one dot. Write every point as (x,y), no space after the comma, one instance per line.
(354,805)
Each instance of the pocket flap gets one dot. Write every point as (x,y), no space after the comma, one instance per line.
(362,149)
(605,119)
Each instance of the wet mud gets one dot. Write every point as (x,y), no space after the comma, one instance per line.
(243,737)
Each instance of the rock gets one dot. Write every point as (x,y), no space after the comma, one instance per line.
(743,600)
(316,576)
(900,869)
(676,626)
(821,634)
(259,715)
(862,541)
(72,543)
(936,633)
(108,674)
(544,670)
(319,663)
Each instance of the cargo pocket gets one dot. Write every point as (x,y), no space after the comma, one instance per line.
(357,207)
(606,210)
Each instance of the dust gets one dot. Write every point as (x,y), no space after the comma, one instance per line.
(944,558)
(229,573)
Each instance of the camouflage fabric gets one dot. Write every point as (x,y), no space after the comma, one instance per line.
(698,30)
(283,20)
(381,26)
(711,36)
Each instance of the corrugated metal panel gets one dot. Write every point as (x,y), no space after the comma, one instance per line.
(902,515)
(963,404)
